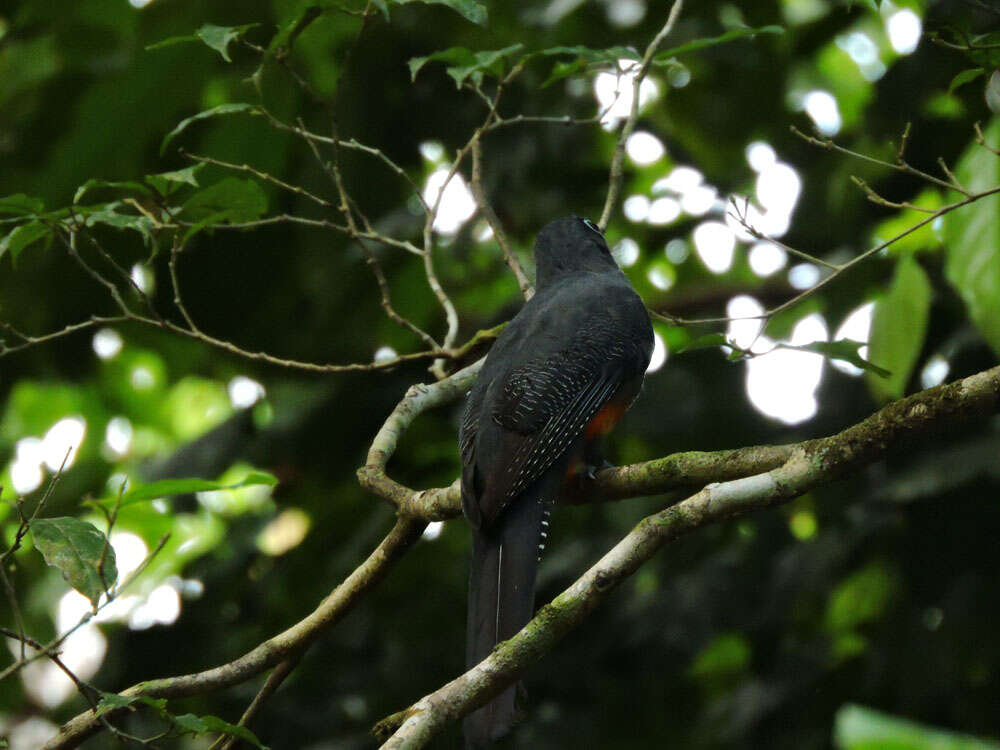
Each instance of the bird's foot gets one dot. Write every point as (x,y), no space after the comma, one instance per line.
(590,470)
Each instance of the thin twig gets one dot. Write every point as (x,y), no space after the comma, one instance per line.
(81,228)
(981,140)
(899,166)
(741,216)
(838,270)
(271,685)
(12,600)
(345,207)
(479,192)
(84,688)
(175,251)
(506,122)
(70,245)
(54,644)
(617,175)
(878,200)
(261,175)
(330,611)
(451,316)
(350,143)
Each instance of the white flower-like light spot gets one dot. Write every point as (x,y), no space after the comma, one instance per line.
(457,202)
(107,343)
(62,442)
(822,108)
(244,392)
(745,328)
(715,242)
(904,28)
(644,148)
(782,384)
(636,208)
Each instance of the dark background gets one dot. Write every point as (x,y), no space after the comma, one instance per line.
(743,635)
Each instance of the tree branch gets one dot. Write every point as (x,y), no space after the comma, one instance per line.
(273,651)
(808,465)
(824,458)
(418,399)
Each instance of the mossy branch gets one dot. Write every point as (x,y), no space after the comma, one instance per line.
(804,466)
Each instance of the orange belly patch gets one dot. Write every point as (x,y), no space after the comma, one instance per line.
(605,420)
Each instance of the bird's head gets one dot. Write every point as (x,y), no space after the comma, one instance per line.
(568,245)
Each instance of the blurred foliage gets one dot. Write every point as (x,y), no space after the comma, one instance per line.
(880,590)
(859,728)
(899,325)
(973,236)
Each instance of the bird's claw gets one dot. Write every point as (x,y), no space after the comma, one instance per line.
(590,471)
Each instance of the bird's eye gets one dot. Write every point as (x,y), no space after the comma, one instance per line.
(592,226)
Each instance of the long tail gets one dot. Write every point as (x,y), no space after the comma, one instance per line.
(502,601)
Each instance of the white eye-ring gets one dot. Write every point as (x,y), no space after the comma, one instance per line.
(592,226)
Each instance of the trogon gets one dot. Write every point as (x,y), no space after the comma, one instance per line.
(559,376)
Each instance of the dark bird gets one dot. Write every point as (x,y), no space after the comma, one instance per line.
(559,377)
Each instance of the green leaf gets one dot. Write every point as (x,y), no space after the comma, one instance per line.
(189,723)
(466,64)
(171,41)
(972,236)
(217,37)
(21,204)
(383,8)
(899,323)
(859,728)
(204,724)
(184,723)
(232,200)
(220,37)
(965,77)
(76,547)
(454,55)
(729,36)
(222,109)
(22,236)
(468,9)
(563,70)
(96,182)
(112,702)
(171,487)
(166,183)
(487,63)
(109,216)
(590,55)
(705,342)
(844,349)
(584,57)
